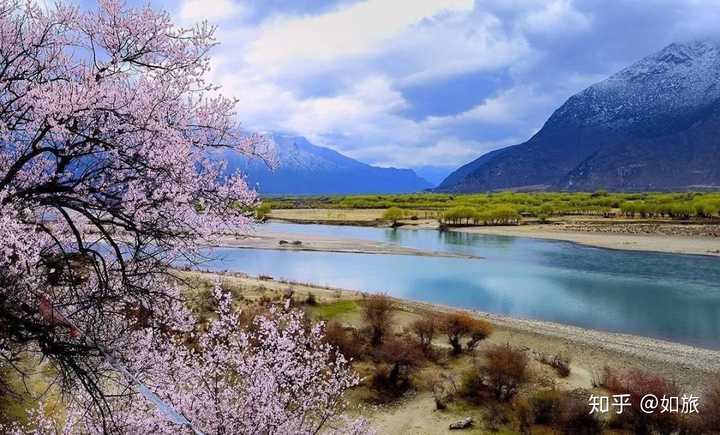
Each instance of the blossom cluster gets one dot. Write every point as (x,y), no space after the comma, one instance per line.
(108,176)
(276,375)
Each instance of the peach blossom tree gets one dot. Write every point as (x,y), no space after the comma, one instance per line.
(107,131)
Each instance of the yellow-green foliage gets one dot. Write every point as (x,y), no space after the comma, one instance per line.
(263,210)
(489,207)
(393,214)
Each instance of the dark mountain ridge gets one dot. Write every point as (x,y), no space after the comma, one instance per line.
(653,126)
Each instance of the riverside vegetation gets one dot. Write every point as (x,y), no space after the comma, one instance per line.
(401,352)
(506,208)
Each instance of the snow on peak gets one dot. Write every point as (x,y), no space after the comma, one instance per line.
(678,78)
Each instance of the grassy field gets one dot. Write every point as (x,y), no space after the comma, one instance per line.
(489,207)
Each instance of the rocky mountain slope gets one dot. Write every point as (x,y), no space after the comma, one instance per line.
(653,126)
(306,169)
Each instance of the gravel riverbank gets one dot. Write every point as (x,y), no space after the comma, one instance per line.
(604,237)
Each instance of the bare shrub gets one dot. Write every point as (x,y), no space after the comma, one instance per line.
(608,379)
(480,330)
(444,388)
(506,370)
(559,362)
(545,406)
(440,395)
(524,416)
(496,417)
(710,408)
(472,384)
(425,330)
(459,325)
(346,340)
(574,418)
(566,412)
(638,383)
(397,358)
(380,380)
(377,312)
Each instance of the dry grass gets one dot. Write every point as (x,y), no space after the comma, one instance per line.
(305,214)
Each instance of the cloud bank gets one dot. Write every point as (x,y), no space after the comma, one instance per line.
(412,83)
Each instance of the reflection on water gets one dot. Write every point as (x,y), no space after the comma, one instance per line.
(668,296)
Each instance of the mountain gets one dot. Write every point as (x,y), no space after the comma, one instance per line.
(307,169)
(653,126)
(434,174)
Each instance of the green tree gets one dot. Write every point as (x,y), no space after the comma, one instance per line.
(393,215)
(262,211)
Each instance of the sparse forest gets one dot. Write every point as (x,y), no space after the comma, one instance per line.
(507,208)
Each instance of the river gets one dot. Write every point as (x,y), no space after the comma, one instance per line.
(668,296)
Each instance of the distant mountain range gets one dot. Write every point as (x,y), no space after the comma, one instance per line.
(654,126)
(307,169)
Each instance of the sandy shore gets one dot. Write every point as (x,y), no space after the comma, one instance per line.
(305,242)
(633,242)
(599,232)
(591,350)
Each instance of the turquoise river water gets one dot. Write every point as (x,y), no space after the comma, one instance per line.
(668,296)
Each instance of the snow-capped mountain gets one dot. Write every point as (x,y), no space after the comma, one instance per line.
(652,126)
(307,169)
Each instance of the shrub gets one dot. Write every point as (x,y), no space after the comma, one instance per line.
(608,379)
(496,417)
(311,300)
(566,412)
(638,383)
(444,388)
(458,325)
(574,418)
(397,358)
(400,350)
(479,331)
(262,211)
(525,417)
(377,314)
(545,406)
(559,362)
(393,214)
(710,408)
(425,329)
(506,370)
(472,385)
(346,340)
(380,379)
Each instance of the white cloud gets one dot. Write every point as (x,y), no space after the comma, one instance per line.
(356,30)
(458,44)
(511,106)
(192,11)
(362,103)
(556,15)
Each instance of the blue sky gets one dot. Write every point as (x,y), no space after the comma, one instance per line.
(412,83)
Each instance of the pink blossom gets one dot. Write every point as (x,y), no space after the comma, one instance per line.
(107,125)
